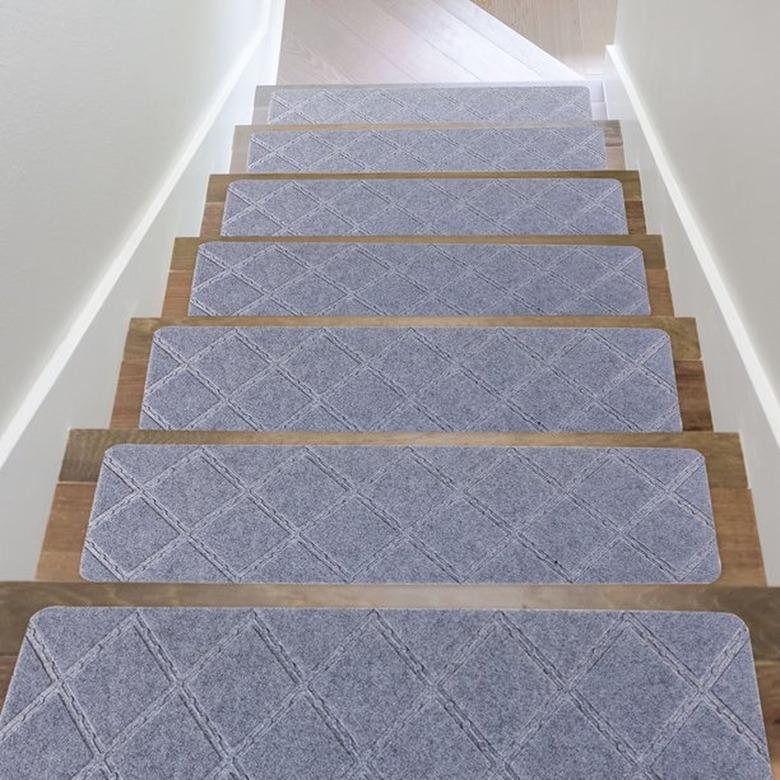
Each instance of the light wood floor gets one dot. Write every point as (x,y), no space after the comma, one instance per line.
(391,41)
(574,31)
(387,41)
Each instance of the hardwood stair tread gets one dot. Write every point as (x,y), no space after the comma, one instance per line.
(392,279)
(186,249)
(236,680)
(218,191)
(732,507)
(691,386)
(242,135)
(537,100)
(420,149)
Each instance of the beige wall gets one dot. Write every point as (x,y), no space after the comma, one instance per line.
(113,115)
(703,75)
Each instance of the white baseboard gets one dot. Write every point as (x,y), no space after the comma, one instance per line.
(741,394)
(76,385)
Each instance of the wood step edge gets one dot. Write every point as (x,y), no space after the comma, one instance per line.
(682,331)
(185,248)
(759,607)
(723,451)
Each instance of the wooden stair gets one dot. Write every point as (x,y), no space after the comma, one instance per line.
(741,588)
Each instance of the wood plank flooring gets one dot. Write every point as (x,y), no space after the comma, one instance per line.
(386,41)
(574,31)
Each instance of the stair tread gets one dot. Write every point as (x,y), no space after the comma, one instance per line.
(737,536)
(186,247)
(722,451)
(429,103)
(390,514)
(296,693)
(256,279)
(408,206)
(411,379)
(525,131)
(453,149)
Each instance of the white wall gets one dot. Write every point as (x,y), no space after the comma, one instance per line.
(113,116)
(696,84)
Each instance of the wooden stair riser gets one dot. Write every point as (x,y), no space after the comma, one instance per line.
(722,451)
(759,607)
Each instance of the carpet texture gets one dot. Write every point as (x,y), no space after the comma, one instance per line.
(440,149)
(258,279)
(402,695)
(400,514)
(411,379)
(412,104)
(424,207)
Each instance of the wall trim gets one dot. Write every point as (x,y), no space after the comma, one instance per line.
(767,398)
(43,384)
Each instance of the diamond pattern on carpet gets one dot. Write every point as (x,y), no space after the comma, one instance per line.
(400,514)
(256,207)
(412,104)
(445,149)
(297,694)
(260,279)
(407,379)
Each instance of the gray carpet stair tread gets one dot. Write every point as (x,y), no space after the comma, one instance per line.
(280,694)
(417,104)
(259,279)
(408,379)
(439,149)
(170,513)
(399,206)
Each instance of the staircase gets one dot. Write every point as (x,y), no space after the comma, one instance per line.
(414,477)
